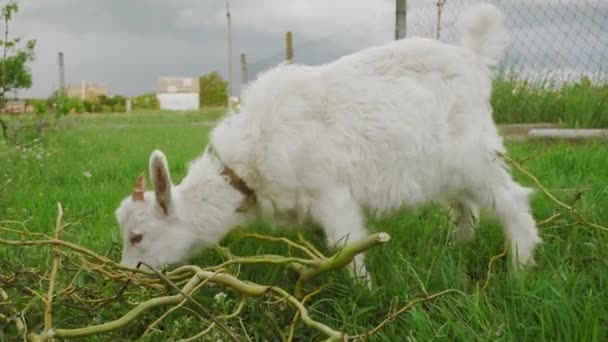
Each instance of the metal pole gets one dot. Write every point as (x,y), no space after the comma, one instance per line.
(400,19)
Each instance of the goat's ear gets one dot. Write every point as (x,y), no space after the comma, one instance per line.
(159,171)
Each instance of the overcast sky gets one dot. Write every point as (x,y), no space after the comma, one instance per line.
(128,44)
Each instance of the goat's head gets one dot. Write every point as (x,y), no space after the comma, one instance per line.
(152,231)
(167,224)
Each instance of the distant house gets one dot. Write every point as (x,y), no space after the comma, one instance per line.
(86,90)
(178,93)
(15,107)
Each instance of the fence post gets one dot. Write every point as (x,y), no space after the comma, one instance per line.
(244,75)
(400,19)
(229,90)
(289,47)
(61,73)
(440,4)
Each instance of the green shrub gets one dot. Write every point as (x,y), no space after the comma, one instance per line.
(119,108)
(76,104)
(92,106)
(145,101)
(213,90)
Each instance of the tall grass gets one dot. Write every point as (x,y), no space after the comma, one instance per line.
(576,105)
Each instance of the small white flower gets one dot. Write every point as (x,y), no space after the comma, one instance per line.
(220,297)
(38,156)
(87,174)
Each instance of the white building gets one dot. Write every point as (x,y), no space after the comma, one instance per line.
(178,93)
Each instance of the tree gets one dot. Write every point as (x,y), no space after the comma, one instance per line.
(14,74)
(213,90)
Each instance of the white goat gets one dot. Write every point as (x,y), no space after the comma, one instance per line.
(390,127)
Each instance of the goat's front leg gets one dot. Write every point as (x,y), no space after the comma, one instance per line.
(341,218)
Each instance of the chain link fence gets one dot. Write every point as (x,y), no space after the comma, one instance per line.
(554,69)
(549,40)
(557,40)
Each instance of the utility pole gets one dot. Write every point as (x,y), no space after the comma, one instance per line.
(244,76)
(229,53)
(400,19)
(289,47)
(61,73)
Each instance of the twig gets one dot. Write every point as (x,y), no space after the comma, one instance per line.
(292,326)
(24,232)
(549,219)
(106,301)
(341,258)
(293,263)
(119,323)
(82,250)
(176,307)
(312,248)
(247,288)
(281,239)
(561,226)
(394,315)
(490,263)
(48,314)
(569,208)
(331,333)
(236,312)
(19,321)
(244,330)
(267,259)
(199,335)
(197,304)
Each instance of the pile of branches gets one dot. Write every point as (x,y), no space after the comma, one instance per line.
(178,285)
(175,288)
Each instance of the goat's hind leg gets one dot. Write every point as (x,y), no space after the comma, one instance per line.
(509,202)
(464,215)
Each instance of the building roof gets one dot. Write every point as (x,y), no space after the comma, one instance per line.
(178,85)
(86,90)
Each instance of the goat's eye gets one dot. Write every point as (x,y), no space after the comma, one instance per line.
(135,239)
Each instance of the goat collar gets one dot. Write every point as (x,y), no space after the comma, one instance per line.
(238,183)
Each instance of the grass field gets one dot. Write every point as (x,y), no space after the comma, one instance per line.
(91,167)
(576,105)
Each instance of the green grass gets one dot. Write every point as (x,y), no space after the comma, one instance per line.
(578,105)
(90,168)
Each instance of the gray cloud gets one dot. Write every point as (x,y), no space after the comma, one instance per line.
(127,45)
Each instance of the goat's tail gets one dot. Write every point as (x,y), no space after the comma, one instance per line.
(483,30)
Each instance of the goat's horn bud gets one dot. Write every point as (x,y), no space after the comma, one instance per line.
(140,188)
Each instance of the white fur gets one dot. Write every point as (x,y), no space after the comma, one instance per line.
(390,127)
